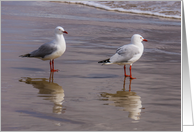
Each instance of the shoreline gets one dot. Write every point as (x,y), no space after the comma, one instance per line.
(141,13)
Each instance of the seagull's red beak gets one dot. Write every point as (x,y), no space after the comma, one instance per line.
(145,40)
(65,32)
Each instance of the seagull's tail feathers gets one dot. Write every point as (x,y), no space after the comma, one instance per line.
(26,55)
(105,62)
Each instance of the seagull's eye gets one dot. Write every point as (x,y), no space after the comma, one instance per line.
(140,37)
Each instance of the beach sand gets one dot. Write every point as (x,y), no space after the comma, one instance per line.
(85,95)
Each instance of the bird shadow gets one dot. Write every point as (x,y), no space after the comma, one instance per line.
(28,68)
(89,76)
(126,99)
(48,90)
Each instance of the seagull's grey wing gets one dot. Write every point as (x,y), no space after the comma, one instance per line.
(124,54)
(43,50)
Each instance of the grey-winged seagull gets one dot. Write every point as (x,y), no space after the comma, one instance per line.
(50,50)
(127,54)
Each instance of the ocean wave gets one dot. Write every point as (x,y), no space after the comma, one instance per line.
(134,8)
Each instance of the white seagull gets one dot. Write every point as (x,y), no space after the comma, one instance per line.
(127,54)
(52,49)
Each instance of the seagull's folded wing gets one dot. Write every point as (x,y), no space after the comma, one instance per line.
(44,50)
(125,53)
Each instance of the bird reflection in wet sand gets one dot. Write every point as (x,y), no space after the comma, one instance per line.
(51,91)
(126,99)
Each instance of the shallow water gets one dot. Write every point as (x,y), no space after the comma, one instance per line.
(84,95)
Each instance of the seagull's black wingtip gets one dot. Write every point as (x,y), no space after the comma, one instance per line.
(104,61)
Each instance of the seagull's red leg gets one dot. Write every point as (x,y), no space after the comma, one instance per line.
(51,66)
(131,73)
(53,70)
(125,72)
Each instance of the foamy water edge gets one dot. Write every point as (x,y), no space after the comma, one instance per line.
(133,11)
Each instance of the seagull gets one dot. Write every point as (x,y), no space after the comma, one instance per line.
(127,54)
(50,50)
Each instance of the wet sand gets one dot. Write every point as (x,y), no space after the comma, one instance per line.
(84,95)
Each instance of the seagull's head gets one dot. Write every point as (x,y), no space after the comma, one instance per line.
(136,38)
(60,30)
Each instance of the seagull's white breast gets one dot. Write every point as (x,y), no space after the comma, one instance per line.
(61,47)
